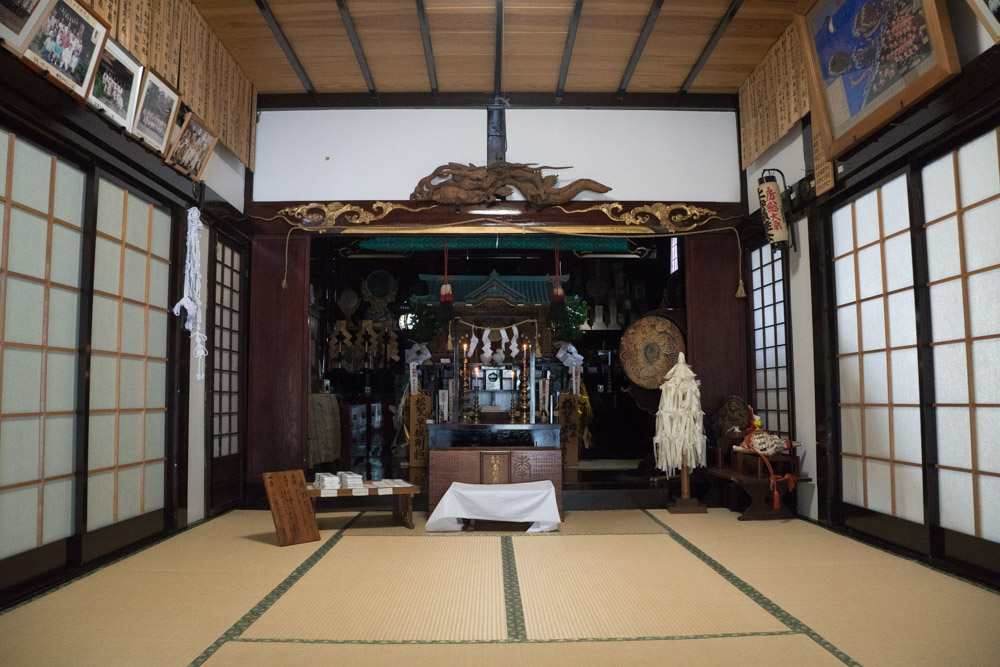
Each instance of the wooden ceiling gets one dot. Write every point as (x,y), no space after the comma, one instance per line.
(549,49)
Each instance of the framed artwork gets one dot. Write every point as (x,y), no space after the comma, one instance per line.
(988,12)
(67,43)
(116,86)
(867,59)
(18,19)
(157,112)
(193,147)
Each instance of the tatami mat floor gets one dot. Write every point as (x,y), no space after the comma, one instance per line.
(629,587)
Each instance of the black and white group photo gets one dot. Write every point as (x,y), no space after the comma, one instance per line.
(155,111)
(113,86)
(193,147)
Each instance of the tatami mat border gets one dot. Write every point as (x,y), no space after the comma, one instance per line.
(765,602)
(516,631)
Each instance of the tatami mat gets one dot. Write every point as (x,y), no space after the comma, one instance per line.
(767,651)
(636,586)
(395,588)
(574,523)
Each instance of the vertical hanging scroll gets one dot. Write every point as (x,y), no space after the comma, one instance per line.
(125,26)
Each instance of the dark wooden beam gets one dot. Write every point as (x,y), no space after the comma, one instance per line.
(283,42)
(640,44)
(425,36)
(574,23)
(689,101)
(720,30)
(352,34)
(498,52)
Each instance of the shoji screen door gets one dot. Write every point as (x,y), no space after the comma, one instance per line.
(772,360)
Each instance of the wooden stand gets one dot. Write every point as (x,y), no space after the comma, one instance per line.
(686,504)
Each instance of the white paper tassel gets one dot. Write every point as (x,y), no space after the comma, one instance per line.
(679,421)
(513,343)
(487,355)
(191,301)
(473,342)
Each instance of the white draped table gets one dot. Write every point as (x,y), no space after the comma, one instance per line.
(528,501)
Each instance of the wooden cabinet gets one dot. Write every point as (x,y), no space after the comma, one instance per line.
(366,436)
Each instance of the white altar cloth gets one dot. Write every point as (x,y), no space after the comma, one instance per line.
(528,501)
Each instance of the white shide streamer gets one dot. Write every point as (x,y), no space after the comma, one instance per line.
(191,301)
(680,435)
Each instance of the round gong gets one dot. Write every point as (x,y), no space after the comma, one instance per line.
(649,349)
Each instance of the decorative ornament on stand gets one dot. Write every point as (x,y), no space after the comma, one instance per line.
(764,444)
(679,442)
(191,301)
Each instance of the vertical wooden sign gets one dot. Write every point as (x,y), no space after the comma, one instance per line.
(291,508)
(569,428)
(420,412)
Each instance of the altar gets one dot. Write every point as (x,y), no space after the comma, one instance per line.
(487,465)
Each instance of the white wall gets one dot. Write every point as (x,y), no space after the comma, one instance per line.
(225,174)
(800,305)
(332,155)
(641,155)
(196,412)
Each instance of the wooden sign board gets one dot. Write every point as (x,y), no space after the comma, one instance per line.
(570,432)
(291,508)
(420,412)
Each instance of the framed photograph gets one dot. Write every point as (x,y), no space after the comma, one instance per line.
(193,147)
(18,19)
(157,112)
(988,12)
(867,59)
(116,86)
(67,43)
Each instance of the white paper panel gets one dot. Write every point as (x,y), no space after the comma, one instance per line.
(844,279)
(154,486)
(866,218)
(110,208)
(60,452)
(902,319)
(953,437)
(877,432)
(978,174)
(955,501)
(951,378)
(853,481)
(27,244)
(986,370)
(69,194)
(984,302)
(156,384)
(947,311)
(850,380)
(20,450)
(981,226)
(843,231)
(895,206)
(107,266)
(66,250)
(137,222)
(103,382)
(22,381)
(155,434)
(905,376)
(898,263)
(104,331)
(18,520)
(157,344)
(57,521)
(135,275)
(870,271)
(60,384)
(133,328)
(909,493)
(24,311)
(4,142)
(101,441)
(879,487)
(939,188)
(131,383)
(943,259)
(873,324)
(989,507)
(876,382)
(130,434)
(100,500)
(988,447)
(161,233)
(129,492)
(64,315)
(906,434)
(159,274)
(850,430)
(32,175)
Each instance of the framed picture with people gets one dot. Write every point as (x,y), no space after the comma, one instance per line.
(116,86)
(193,147)
(154,119)
(988,13)
(18,19)
(67,44)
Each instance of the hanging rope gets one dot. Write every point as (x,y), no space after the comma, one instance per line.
(191,301)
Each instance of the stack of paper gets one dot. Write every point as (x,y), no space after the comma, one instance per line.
(350,480)
(326,480)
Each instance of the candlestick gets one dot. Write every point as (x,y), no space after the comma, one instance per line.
(475,398)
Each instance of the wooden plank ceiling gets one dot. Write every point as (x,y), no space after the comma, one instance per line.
(548,48)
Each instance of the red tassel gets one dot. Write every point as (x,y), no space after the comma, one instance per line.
(777,501)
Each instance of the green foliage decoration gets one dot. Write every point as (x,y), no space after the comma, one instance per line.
(426,322)
(566,327)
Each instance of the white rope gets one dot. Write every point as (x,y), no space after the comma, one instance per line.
(679,421)
(191,301)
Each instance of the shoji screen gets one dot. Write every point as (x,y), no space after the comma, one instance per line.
(41,208)
(129,357)
(877,355)
(962,209)
(225,365)
(771,358)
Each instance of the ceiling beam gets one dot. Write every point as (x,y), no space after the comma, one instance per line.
(283,42)
(498,52)
(689,101)
(574,23)
(425,36)
(352,34)
(720,30)
(640,44)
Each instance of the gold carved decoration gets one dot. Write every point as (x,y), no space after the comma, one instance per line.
(670,216)
(324,216)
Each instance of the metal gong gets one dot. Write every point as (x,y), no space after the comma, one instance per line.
(649,349)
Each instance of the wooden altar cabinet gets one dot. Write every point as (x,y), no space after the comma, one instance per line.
(493,465)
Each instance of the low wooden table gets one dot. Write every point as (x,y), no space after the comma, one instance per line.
(759,489)
(402,509)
